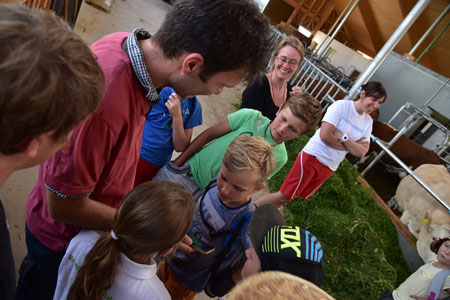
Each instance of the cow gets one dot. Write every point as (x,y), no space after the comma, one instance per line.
(424,216)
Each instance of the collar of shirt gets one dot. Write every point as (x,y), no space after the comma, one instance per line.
(133,50)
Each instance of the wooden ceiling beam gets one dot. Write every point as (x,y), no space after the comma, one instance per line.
(328,10)
(417,29)
(371,24)
(293,3)
(306,14)
(293,16)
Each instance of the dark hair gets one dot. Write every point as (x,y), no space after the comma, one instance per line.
(436,244)
(49,78)
(374,89)
(152,218)
(306,108)
(229,34)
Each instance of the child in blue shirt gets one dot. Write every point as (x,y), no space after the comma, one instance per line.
(168,127)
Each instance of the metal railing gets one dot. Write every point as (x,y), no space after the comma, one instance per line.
(418,114)
(317,81)
(415,115)
(410,172)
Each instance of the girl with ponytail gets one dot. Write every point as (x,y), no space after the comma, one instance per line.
(121,264)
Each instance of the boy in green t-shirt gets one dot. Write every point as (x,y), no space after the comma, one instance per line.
(199,164)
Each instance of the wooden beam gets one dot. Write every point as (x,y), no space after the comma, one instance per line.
(395,220)
(307,12)
(371,24)
(321,5)
(418,28)
(329,9)
(292,3)
(293,16)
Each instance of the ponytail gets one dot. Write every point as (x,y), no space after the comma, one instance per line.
(91,279)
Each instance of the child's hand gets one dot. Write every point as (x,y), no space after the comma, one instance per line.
(174,106)
(185,244)
(295,90)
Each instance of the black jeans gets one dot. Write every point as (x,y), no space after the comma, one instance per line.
(387,295)
(7,270)
(39,270)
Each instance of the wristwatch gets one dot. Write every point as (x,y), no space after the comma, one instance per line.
(344,138)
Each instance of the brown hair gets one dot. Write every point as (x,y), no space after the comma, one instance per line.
(292,41)
(436,244)
(230,35)
(153,217)
(254,154)
(49,79)
(306,108)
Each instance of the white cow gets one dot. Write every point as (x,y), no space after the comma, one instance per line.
(424,216)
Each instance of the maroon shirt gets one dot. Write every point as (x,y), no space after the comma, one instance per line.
(101,158)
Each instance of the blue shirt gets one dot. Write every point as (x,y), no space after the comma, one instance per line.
(157,144)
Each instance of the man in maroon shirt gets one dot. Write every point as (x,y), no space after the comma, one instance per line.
(202,47)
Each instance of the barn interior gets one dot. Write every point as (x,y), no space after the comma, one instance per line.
(402,43)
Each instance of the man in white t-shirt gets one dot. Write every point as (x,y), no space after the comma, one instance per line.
(346,128)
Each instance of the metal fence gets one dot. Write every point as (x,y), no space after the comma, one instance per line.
(317,81)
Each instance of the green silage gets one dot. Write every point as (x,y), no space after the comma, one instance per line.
(362,257)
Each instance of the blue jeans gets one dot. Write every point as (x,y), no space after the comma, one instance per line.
(39,270)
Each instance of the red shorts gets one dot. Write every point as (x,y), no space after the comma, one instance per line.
(305,177)
(145,172)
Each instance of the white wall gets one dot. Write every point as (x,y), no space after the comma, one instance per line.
(344,56)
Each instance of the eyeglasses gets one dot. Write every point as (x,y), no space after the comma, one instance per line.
(284,60)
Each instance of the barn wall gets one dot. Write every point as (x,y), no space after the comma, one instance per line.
(407,81)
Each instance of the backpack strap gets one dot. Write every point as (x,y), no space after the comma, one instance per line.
(239,222)
(437,283)
(211,184)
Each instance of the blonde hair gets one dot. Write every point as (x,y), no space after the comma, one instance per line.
(153,217)
(253,154)
(292,41)
(306,108)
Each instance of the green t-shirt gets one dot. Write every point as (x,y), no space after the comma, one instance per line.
(205,164)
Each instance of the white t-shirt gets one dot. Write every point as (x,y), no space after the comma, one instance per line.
(419,283)
(133,280)
(343,115)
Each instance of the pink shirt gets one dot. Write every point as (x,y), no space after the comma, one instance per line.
(101,158)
